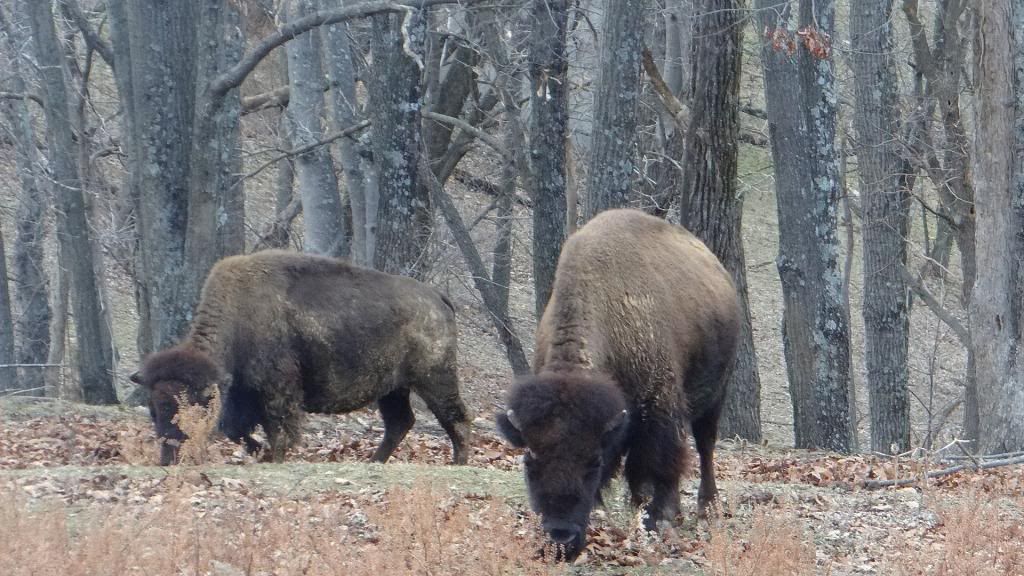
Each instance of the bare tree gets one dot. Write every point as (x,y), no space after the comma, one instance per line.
(616,98)
(403,210)
(802,130)
(8,372)
(885,224)
(94,358)
(711,206)
(323,217)
(344,113)
(31,289)
(549,124)
(997,302)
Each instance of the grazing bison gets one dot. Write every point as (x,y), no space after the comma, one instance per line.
(636,341)
(283,333)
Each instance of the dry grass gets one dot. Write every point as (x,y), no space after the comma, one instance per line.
(976,536)
(198,423)
(775,543)
(421,531)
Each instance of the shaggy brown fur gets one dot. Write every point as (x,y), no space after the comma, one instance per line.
(284,333)
(643,317)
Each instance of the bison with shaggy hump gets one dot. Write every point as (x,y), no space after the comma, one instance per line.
(636,342)
(282,333)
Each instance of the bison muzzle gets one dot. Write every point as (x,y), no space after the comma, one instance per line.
(282,333)
(637,341)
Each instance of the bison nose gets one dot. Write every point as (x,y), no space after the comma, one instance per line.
(562,536)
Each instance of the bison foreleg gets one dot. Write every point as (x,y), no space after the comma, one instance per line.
(657,457)
(398,419)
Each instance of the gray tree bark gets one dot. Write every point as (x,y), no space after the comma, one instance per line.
(947,164)
(323,217)
(549,124)
(162,37)
(344,113)
(403,208)
(616,98)
(886,224)
(216,204)
(997,302)
(711,206)
(31,289)
(94,360)
(802,128)
(8,372)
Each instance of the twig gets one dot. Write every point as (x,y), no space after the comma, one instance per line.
(303,149)
(945,472)
(970,456)
(18,96)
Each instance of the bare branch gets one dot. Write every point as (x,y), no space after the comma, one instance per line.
(17,96)
(461,124)
(924,60)
(234,76)
(282,221)
(680,114)
(962,333)
(272,99)
(92,37)
(303,149)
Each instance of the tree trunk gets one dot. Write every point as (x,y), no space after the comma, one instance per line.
(94,368)
(997,302)
(8,372)
(162,39)
(130,187)
(31,289)
(802,129)
(216,203)
(710,205)
(344,113)
(885,227)
(549,123)
(322,214)
(403,211)
(616,99)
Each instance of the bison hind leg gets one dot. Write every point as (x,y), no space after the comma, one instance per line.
(451,413)
(398,420)
(705,432)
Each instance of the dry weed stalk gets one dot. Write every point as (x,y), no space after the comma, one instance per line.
(198,422)
(774,544)
(977,538)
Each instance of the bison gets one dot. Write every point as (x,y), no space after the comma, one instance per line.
(282,333)
(636,341)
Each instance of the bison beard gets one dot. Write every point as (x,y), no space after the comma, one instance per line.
(636,342)
(282,333)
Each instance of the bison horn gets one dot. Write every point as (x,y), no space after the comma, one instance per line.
(513,419)
(616,420)
(136,377)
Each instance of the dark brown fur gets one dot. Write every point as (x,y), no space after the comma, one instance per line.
(284,333)
(643,317)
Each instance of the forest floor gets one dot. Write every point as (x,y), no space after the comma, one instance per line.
(78,486)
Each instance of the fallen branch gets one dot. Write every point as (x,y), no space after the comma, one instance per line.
(18,96)
(944,472)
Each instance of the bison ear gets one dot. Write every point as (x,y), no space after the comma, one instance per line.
(507,427)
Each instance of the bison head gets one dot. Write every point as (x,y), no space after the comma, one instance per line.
(169,376)
(573,428)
